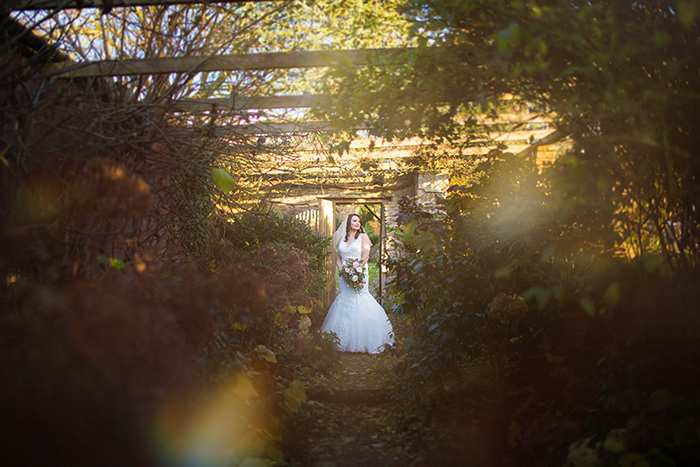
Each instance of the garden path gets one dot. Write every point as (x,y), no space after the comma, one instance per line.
(352,418)
(359,416)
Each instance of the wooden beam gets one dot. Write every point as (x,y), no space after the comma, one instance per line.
(300,101)
(369,198)
(236,62)
(324,126)
(551,138)
(247,102)
(378,144)
(254,129)
(20,5)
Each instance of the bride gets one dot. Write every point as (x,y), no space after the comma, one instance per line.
(356,318)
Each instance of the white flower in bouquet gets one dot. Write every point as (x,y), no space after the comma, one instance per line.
(354,278)
(358,269)
(347,270)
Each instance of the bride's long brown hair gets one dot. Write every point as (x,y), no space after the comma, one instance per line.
(361,230)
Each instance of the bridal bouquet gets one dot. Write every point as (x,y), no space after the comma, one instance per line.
(353,274)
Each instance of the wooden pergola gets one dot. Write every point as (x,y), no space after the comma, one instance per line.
(232,62)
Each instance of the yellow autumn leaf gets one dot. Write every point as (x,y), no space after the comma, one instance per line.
(244,388)
(304,323)
(615,442)
(633,459)
(266,354)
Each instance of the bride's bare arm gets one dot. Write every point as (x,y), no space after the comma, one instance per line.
(366,244)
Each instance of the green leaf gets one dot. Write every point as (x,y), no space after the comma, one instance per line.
(540,294)
(224,180)
(612,294)
(341,148)
(116,263)
(113,262)
(588,306)
(658,400)
(502,273)
(423,240)
(294,396)
(408,229)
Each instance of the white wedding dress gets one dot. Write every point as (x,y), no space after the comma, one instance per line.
(358,319)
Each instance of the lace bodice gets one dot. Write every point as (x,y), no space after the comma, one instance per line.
(354,250)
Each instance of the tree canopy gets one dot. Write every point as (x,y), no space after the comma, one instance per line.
(620,78)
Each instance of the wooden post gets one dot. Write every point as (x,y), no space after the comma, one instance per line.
(382,248)
(326,226)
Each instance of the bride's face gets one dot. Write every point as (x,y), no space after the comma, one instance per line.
(355,223)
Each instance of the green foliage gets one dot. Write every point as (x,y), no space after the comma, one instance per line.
(497,276)
(619,78)
(369,222)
